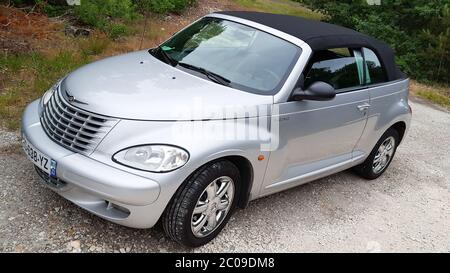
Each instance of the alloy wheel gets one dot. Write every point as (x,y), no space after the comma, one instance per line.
(383,155)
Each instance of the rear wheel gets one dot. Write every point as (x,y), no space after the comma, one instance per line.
(380,157)
(203,204)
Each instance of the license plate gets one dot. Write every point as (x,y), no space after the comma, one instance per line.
(42,161)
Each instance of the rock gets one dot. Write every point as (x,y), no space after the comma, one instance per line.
(76,31)
(162,250)
(74,246)
(213,9)
(19,248)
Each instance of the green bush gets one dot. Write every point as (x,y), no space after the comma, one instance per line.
(419,31)
(23,2)
(50,7)
(107,15)
(163,6)
(54,10)
(99,13)
(118,30)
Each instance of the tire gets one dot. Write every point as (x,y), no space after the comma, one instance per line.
(369,169)
(179,218)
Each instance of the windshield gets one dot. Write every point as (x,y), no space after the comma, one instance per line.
(244,57)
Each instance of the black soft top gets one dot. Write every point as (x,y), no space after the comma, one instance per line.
(319,36)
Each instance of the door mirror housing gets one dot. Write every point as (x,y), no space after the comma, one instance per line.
(320,91)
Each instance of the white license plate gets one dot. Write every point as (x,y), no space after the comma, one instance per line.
(42,161)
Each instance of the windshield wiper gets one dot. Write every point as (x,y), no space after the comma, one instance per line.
(166,56)
(211,75)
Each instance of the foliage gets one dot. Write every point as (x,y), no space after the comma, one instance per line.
(279,6)
(94,46)
(163,6)
(51,7)
(418,30)
(107,15)
(435,97)
(31,75)
(437,94)
(54,10)
(110,16)
(118,30)
(22,2)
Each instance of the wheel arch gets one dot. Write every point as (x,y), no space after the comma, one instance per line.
(400,127)
(246,172)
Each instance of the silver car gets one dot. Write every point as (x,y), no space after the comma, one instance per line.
(234,107)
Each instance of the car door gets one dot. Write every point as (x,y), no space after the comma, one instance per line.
(317,138)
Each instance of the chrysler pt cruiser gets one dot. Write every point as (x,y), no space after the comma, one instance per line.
(322,99)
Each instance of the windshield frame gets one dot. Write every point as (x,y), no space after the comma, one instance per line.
(267,30)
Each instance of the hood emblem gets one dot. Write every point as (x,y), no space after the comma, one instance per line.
(72,99)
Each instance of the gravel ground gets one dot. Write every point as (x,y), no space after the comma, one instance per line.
(406,210)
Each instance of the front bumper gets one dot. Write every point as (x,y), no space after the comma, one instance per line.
(111,193)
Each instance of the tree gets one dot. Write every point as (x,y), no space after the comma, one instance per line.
(418,30)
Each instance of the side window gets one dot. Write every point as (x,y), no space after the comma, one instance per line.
(340,67)
(375,71)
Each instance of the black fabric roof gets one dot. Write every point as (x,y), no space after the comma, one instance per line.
(319,36)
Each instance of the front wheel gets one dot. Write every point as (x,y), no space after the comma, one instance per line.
(380,157)
(203,204)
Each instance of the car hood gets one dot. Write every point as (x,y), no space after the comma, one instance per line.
(139,86)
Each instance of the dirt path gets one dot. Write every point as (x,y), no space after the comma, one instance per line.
(407,209)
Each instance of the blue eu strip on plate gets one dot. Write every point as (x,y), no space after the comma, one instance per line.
(53,165)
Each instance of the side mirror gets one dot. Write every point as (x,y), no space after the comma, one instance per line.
(320,91)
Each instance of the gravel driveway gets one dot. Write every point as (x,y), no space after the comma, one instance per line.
(407,209)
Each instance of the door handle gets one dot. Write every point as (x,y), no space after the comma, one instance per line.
(363,107)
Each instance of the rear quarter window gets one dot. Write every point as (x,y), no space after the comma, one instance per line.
(375,71)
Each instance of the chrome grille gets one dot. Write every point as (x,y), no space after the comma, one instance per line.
(75,129)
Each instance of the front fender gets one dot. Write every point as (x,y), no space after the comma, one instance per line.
(205,141)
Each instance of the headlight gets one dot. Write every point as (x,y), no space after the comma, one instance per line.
(153,158)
